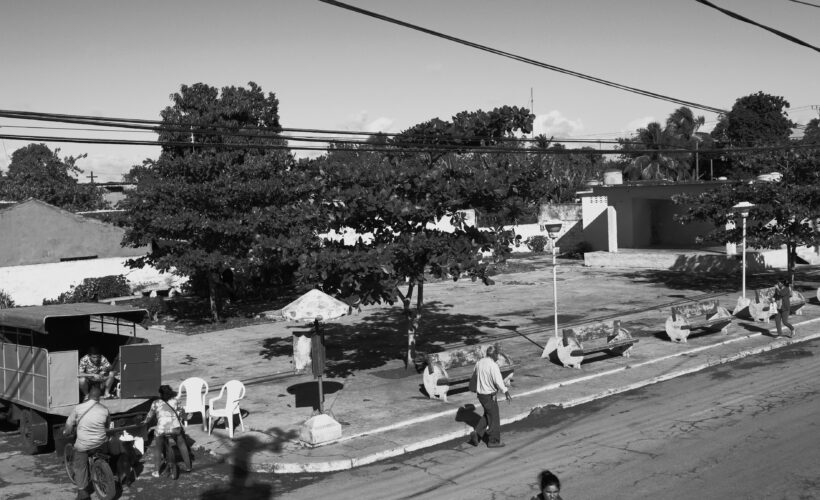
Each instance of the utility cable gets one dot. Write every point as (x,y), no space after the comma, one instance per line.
(805,3)
(754,23)
(523,59)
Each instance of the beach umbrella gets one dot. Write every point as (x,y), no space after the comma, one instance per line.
(315,307)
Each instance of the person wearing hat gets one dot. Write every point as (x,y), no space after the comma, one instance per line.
(169,414)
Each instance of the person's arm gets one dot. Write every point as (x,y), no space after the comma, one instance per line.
(70,423)
(150,413)
(105,367)
(499,381)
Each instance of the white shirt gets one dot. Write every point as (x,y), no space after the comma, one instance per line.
(488,377)
(91,428)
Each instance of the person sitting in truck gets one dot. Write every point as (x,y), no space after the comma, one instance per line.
(96,370)
(91,419)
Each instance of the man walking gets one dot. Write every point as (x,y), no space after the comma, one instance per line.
(488,380)
(91,420)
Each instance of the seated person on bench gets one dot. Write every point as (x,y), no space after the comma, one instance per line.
(95,369)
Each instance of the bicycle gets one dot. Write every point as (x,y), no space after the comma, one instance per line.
(99,471)
(170,455)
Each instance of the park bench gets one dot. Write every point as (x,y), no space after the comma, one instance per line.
(760,308)
(452,367)
(604,336)
(706,315)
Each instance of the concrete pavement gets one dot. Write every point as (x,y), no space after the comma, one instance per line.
(380,404)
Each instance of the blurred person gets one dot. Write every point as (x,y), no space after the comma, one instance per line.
(489,382)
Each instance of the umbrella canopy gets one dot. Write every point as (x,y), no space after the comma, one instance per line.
(315,305)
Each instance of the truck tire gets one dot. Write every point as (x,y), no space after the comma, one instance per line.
(27,432)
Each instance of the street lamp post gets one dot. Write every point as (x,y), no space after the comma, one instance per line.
(553,228)
(743,208)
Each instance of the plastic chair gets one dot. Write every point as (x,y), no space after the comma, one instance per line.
(234,390)
(195,390)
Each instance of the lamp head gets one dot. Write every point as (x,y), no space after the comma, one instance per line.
(743,208)
(552,228)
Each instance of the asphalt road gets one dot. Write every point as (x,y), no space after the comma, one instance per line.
(748,429)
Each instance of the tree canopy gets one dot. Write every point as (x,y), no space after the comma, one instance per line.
(38,172)
(394,198)
(223,194)
(757,119)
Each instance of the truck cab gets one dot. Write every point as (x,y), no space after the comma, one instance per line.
(40,350)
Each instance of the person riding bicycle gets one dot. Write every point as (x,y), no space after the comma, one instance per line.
(91,419)
(169,413)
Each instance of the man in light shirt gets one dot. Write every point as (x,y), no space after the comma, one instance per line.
(91,419)
(488,383)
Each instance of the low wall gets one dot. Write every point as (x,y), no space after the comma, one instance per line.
(29,285)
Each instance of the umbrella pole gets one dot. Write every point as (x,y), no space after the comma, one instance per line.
(321,389)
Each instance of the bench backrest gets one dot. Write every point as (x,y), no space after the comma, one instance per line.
(590,331)
(700,308)
(463,356)
(765,294)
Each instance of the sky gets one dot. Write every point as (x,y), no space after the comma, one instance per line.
(335,69)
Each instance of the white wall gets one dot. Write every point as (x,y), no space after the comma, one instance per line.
(29,285)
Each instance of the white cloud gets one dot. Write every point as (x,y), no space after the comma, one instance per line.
(361,121)
(557,125)
(637,123)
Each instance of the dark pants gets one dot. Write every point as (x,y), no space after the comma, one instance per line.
(782,318)
(491,420)
(81,473)
(159,448)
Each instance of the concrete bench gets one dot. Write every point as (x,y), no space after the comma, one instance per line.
(604,336)
(706,315)
(760,309)
(455,367)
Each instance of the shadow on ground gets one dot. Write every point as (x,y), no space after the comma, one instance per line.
(241,483)
(382,337)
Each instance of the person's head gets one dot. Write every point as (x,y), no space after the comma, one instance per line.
(94,392)
(492,352)
(550,484)
(94,354)
(165,392)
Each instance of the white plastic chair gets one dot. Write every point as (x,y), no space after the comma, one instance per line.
(234,390)
(195,390)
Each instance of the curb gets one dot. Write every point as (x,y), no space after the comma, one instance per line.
(350,463)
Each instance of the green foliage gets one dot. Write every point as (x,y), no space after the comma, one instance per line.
(156,306)
(38,172)
(579,250)
(755,120)
(206,207)
(94,289)
(537,243)
(785,211)
(812,132)
(5,300)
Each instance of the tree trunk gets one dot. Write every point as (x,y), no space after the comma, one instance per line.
(213,295)
(791,258)
(413,326)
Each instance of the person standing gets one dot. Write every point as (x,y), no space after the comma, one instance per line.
(489,382)
(782,299)
(169,414)
(91,419)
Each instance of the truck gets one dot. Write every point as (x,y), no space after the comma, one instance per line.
(40,350)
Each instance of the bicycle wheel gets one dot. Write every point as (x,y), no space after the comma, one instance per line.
(171,458)
(103,479)
(68,461)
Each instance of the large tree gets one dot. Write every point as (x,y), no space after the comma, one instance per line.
(785,211)
(395,196)
(223,197)
(38,172)
(757,119)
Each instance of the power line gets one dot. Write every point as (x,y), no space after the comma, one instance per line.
(527,60)
(754,23)
(368,147)
(805,3)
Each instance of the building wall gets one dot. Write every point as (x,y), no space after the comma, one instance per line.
(34,232)
(29,285)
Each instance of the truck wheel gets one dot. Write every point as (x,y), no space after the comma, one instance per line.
(27,432)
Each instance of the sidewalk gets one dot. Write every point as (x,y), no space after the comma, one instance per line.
(379,403)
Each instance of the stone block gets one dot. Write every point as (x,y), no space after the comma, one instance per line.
(319,429)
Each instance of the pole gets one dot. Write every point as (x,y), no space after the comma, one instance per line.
(744,257)
(554,289)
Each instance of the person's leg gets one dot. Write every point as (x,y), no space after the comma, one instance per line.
(784,317)
(495,421)
(109,383)
(484,421)
(80,465)
(159,446)
(84,386)
(183,451)
(778,318)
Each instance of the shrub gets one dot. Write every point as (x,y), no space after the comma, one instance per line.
(94,289)
(579,250)
(155,306)
(5,300)
(536,243)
